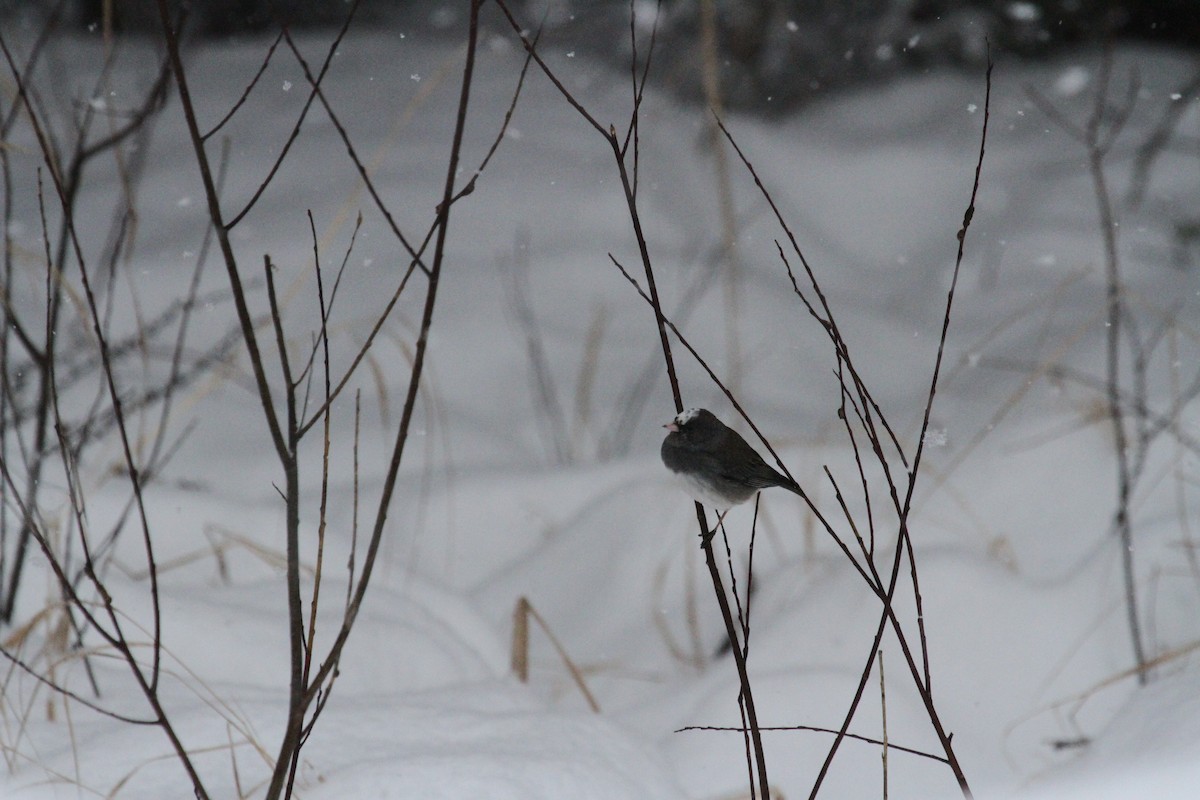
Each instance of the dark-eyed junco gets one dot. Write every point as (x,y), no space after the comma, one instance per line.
(716,465)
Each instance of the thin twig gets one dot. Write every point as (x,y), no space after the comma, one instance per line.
(246,91)
(295,133)
(813,729)
(314,83)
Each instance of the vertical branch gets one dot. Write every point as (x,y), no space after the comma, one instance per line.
(705,536)
(322,518)
(883,753)
(627,186)
(354,510)
(418,362)
(171,37)
(1097,149)
(1097,136)
(297,644)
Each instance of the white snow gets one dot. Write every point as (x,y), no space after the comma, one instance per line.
(1018,568)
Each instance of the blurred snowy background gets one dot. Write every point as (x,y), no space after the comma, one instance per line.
(534,471)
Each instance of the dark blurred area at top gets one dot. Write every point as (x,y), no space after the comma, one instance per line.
(773,54)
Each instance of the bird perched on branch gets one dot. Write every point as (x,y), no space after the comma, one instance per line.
(715,463)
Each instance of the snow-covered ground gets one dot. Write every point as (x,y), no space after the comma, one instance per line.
(1020,570)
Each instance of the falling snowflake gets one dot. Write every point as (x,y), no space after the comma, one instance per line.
(1072,81)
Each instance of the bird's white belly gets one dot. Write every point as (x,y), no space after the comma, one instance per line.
(698,489)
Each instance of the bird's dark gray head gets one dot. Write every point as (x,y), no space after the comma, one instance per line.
(694,428)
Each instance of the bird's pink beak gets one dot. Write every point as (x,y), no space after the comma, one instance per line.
(672,427)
